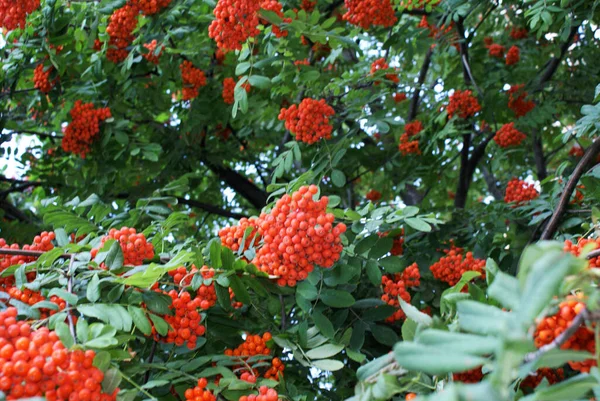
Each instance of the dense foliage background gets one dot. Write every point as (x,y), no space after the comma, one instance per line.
(461,132)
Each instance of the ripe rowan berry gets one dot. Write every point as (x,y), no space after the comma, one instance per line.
(373,195)
(392,290)
(518,33)
(134,245)
(13,14)
(308,5)
(151,56)
(463,104)
(496,50)
(408,146)
(309,121)
(397,245)
(121,25)
(576,151)
(399,97)
(508,136)
(229,89)
(552,375)
(193,79)
(410,396)
(264,394)
(41,78)
(513,55)
(185,327)
(235,21)
(200,392)
(233,237)
(470,376)
(367,13)
(588,244)
(451,267)
(149,7)
(381,65)
(84,128)
(519,192)
(276,7)
(517,102)
(411,276)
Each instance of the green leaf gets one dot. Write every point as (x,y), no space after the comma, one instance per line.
(381,247)
(482,319)
(365,244)
(505,289)
(67,296)
(112,379)
(460,342)
(384,335)
(93,289)
(260,81)
(323,324)
(574,388)
(337,298)
(140,320)
(81,329)
(418,224)
(328,364)
(415,314)
(239,290)
(64,333)
(434,360)
(115,315)
(102,360)
(338,178)
(556,358)
(242,68)
(112,257)
(409,329)
(324,351)
(160,325)
(156,302)
(215,253)
(373,272)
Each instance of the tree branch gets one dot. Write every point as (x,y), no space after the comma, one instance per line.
(414,101)
(210,208)
(463,178)
(554,62)
(491,182)
(28,132)
(580,169)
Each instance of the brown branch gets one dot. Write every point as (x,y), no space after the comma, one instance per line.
(414,101)
(210,208)
(491,182)
(538,155)
(37,254)
(28,132)
(463,176)
(593,254)
(580,169)
(554,62)
(69,289)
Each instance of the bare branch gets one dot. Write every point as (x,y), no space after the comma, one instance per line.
(414,102)
(210,208)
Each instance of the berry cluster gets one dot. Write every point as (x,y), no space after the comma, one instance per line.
(397,245)
(41,78)
(463,104)
(367,13)
(297,234)
(257,345)
(399,97)
(496,50)
(264,394)
(520,192)
(381,65)
(508,136)
(229,89)
(408,146)
(149,7)
(14,13)
(589,244)
(308,5)
(223,132)
(134,245)
(392,290)
(305,61)
(518,33)
(470,376)
(576,151)
(451,267)
(373,195)
(36,363)
(309,121)
(552,375)
(84,127)
(151,56)
(552,326)
(517,102)
(200,392)
(121,25)
(185,327)
(42,242)
(235,21)
(513,55)
(276,7)
(193,79)
(438,32)
(411,276)
(233,237)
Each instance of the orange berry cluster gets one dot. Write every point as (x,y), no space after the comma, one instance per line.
(149,7)
(229,89)
(373,195)
(36,363)
(463,104)
(381,65)
(591,243)
(513,55)
(552,326)
(41,242)
(308,5)
(276,7)
(309,121)
(392,289)
(14,13)
(508,136)
(437,32)
(397,246)
(84,127)
(552,375)
(470,376)
(576,151)
(406,145)
(200,392)
(302,62)
(257,345)
(232,237)
(411,276)
(193,79)
(134,245)
(496,50)
(151,56)
(517,102)
(520,192)
(518,33)
(451,267)
(121,25)
(367,13)
(399,97)
(264,394)
(235,21)
(41,78)
(185,322)
(297,234)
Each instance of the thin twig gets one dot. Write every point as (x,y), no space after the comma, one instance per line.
(150,358)
(593,254)
(21,252)
(69,289)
